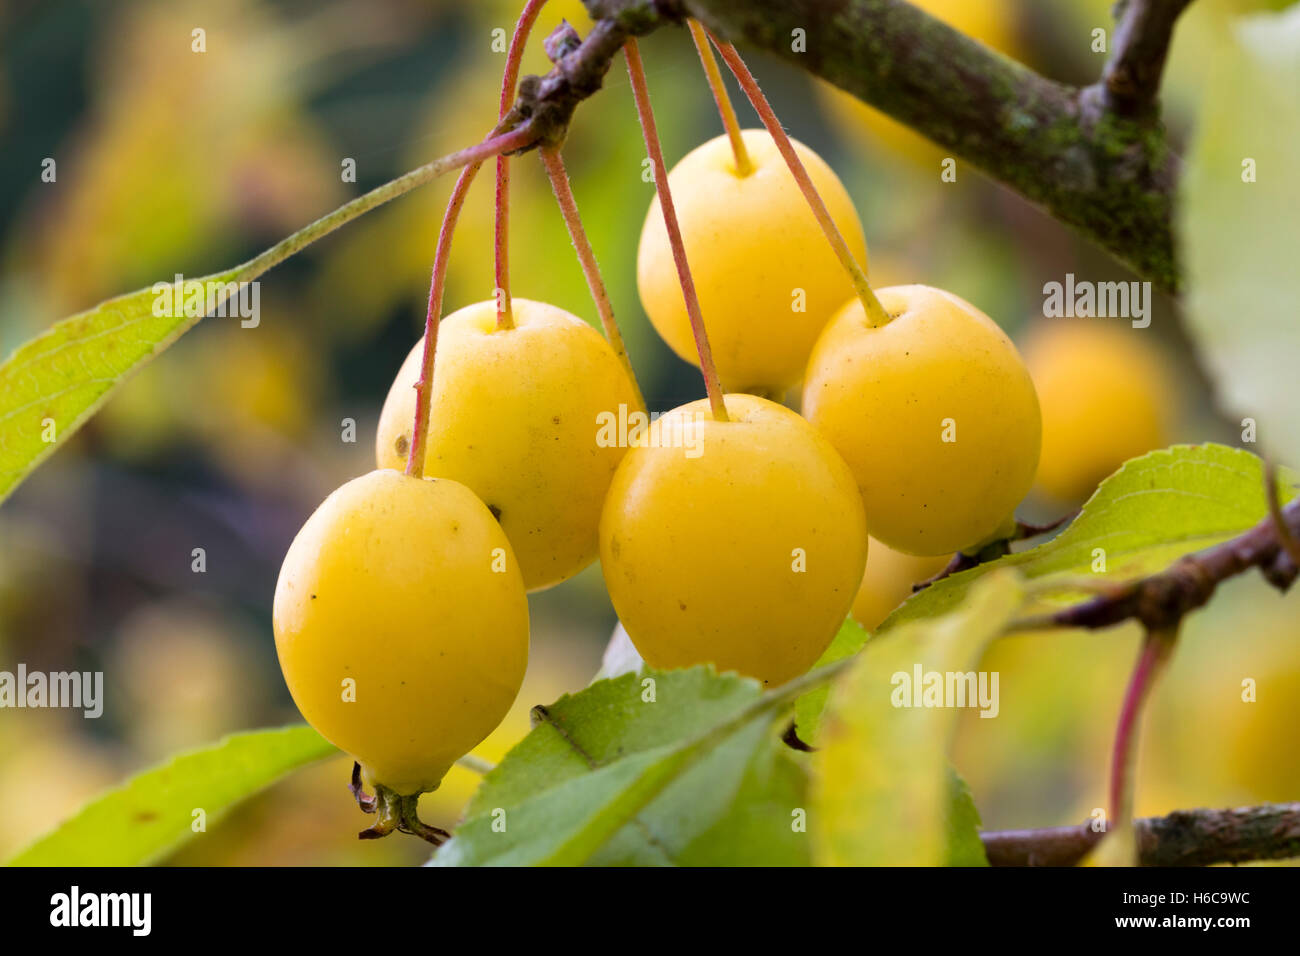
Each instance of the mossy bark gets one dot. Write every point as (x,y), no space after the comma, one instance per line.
(1108,175)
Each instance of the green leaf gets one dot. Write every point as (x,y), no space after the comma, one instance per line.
(1152,511)
(1241,239)
(884,793)
(808,710)
(60,378)
(55,382)
(965,848)
(611,777)
(146,818)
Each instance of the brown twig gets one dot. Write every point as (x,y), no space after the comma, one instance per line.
(1183,838)
(1288,540)
(1130,81)
(1161,600)
(995,549)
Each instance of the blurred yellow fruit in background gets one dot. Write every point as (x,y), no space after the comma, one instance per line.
(1107,395)
(888,581)
(992,22)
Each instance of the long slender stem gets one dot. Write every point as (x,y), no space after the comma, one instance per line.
(728,112)
(876,313)
(712,384)
(1155,652)
(501,246)
(424,385)
(501,228)
(496,143)
(555,171)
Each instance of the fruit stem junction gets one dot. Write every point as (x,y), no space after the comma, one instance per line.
(876,313)
(636,72)
(728,112)
(395,811)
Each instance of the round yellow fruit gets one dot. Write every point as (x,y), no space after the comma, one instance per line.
(737,543)
(935,414)
(888,581)
(517,416)
(767,278)
(1107,396)
(402,625)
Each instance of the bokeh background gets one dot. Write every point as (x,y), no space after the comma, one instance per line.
(174,162)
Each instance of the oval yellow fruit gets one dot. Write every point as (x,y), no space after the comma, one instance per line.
(935,414)
(737,543)
(517,416)
(1107,396)
(766,277)
(401,625)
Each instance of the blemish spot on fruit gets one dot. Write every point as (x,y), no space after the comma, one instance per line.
(555,419)
(313,597)
(402,444)
(682,605)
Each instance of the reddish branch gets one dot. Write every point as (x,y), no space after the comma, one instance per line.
(1184,838)
(1156,650)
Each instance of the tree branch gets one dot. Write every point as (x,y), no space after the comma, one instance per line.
(1108,174)
(1161,600)
(547,102)
(1131,79)
(1094,158)
(1184,838)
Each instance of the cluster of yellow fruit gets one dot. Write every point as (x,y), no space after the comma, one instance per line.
(739,540)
